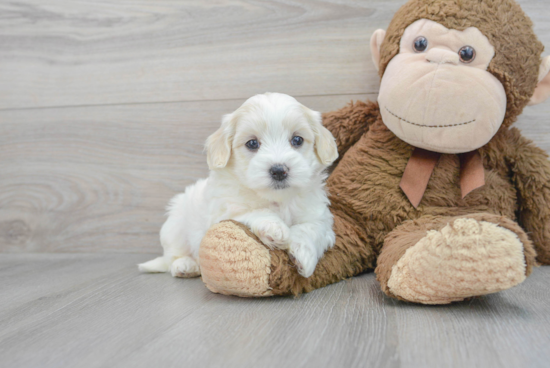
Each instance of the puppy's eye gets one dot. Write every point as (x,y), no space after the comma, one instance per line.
(252,144)
(467,54)
(297,141)
(420,44)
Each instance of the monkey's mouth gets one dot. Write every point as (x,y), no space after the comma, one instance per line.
(429,126)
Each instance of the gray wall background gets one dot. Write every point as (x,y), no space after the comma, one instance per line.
(105,105)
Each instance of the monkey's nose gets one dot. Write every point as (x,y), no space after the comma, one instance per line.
(442,56)
(278,172)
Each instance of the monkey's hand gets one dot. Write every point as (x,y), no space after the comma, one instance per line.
(349,123)
(531,174)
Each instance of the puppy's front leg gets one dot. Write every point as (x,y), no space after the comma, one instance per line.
(308,243)
(267,226)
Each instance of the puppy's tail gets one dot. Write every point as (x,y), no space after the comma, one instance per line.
(159,264)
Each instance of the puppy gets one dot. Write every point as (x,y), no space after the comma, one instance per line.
(267,163)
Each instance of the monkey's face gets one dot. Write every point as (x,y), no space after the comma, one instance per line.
(437,94)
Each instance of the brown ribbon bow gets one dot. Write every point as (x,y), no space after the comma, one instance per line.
(421,165)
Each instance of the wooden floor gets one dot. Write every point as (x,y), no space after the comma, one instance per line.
(92,310)
(104,109)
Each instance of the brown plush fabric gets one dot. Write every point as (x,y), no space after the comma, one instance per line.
(531,175)
(372,216)
(349,123)
(349,257)
(234,261)
(463,259)
(368,204)
(410,232)
(517,49)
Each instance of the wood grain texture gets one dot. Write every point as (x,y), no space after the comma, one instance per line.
(83,52)
(98,178)
(104,108)
(87,52)
(97,311)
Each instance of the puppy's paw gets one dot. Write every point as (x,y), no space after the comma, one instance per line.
(185,267)
(303,254)
(273,234)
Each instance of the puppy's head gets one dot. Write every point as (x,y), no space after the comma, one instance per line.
(273,145)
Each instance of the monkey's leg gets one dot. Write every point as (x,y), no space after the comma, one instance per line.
(435,260)
(235,262)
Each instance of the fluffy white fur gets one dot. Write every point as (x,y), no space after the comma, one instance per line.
(291,215)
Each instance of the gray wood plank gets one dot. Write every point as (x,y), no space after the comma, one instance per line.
(96,179)
(82,52)
(97,311)
(101,52)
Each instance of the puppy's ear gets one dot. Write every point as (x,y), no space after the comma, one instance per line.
(218,145)
(325,144)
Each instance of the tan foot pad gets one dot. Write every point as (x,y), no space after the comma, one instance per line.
(234,262)
(465,259)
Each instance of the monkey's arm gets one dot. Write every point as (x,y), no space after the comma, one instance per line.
(531,174)
(349,123)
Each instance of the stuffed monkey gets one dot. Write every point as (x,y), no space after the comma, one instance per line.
(435,190)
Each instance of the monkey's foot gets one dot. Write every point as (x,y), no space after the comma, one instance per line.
(465,258)
(234,261)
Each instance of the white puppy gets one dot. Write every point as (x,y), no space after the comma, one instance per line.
(267,163)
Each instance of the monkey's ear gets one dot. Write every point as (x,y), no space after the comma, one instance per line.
(375,44)
(542,92)
(218,145)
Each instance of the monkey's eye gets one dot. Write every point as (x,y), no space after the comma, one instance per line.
(467,54)
(297,141)
(420,44)
(252,144)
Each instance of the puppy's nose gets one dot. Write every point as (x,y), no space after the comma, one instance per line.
(278,172)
